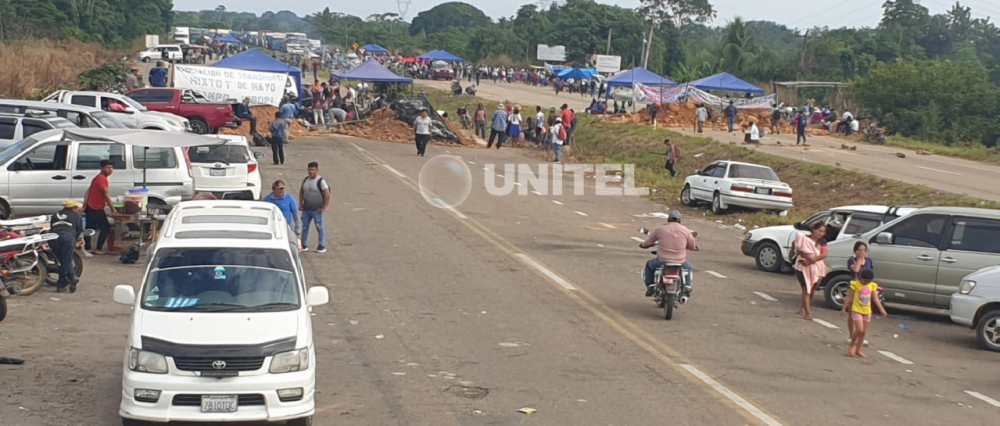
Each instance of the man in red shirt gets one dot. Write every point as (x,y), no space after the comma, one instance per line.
(97,197)
(567,120)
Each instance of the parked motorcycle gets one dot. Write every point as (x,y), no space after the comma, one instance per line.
(5,292)
(874,134)
(670,289)
(463,116)
(20,261)
(29,226)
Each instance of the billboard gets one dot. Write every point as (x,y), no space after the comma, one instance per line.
(608,63)
(551,53)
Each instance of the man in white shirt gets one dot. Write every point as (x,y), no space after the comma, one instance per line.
(557,142)
(539,125)
(754,132)
(701,115)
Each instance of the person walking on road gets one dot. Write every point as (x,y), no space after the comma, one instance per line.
(287,204)
(132,80)
(98,196)
(498,129)
(673,154)
(279,135)
(68,225)
(809,266)
(775,119)
(800,128)
(422,128)
(314,199)
(480,119)
(701,115)
(859,300)
(730,113)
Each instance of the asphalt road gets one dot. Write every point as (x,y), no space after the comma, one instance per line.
(944,173)
(523,301)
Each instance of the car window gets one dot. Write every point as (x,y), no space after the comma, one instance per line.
(816,218)
(91,155)
(83,100)
(746,171)
(7,128)
(860,224)
(981,236)
(108,120)
(50,156)
(923,230)
(30,127)
(153,158)
(219,153)
(719,171)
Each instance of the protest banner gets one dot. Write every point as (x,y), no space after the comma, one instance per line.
(682,93)
(658,94)
(221,84)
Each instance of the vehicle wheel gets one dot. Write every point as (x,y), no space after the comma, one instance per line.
(668,306)
(51,267)
(133,422)
(988,331)
(32,280)
(4,210)
(836,291)
(768,257)
(199,126)
(78,263)
(686,197)
(717,205)
(305,421)
(146,59)
(3,308)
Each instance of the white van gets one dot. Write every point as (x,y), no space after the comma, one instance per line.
(173,53)
(228,171)
(221,328)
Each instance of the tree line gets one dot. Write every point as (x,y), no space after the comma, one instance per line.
(116,23)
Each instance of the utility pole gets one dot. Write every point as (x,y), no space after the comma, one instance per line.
(802,56)
(649,46)
(607,51)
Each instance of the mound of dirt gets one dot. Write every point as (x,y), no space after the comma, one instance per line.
(265,116)
(391,125)
(683,115)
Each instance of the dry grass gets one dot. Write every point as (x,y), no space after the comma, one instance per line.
(33,67)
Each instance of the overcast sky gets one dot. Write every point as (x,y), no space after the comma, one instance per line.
(834,13)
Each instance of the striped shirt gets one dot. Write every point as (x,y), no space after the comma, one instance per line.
(500,120)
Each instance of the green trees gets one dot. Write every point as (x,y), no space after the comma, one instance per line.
(110,22)
(448,15)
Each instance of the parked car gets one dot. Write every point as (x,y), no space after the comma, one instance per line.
(131,113)
(81,116)
(172,53)
(770,246)
(221,328)
(204,116)
(228,171)
(730,183)
(977,305)
(440,70)
(920,259)
(39,172)
(14,127)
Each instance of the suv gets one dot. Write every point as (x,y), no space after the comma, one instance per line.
(221,328)
(771,246)
(920,259)
(14,127)
(81,116)
(228,171)
(131,113)
(977,305)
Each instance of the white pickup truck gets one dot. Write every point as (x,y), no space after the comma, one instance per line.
(129,112)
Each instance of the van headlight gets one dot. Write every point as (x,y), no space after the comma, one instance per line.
(966,286)
(176,123)
(749,236)
(286,362)
(146,362)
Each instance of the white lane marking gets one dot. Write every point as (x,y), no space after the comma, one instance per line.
(939,171)
(358,147)
(545,271)
(896,358)
(607,225)
(638,239)
(472,162)
(716,274)
(536,192)
(984,398)
(517,183)
(839,152)
(825,324)
(738,400)
(396,172)
(557,202)
(765,296)
(500,175)
(579,213)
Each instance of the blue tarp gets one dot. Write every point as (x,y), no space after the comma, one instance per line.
(440,55)
(228,38)
(374,72)
(374,48)
(577,74)
(639,75)
(255,60)
(726,82)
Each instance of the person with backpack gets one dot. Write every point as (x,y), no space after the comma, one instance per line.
(314,199)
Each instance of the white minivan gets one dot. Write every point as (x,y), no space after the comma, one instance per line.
(229,171)
(221,328)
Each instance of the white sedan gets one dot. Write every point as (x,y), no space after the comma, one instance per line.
(730,183)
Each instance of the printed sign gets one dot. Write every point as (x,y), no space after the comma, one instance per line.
(608,63)
(220,84)
(551,53)
(675,94)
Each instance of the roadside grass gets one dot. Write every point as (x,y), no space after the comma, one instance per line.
(976,152)
(35,67)
(817,187)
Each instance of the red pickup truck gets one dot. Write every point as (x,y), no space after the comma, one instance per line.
(205,116)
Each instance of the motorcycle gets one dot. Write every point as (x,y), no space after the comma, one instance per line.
(874,134)
(29,227)
(5,292)
(20,260)
(463,116)
(670,289)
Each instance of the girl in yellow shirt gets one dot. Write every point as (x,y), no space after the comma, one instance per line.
(860,297)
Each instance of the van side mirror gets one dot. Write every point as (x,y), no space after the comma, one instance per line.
(884,238)
(317,295)
(124,294)
(258,154)
(699,173)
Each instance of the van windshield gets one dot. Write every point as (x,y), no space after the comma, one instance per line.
(221,280)
(12,151)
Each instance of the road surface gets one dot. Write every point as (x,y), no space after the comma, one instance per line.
(944,173)
(523,301)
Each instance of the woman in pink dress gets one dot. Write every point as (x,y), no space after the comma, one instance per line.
(809,266)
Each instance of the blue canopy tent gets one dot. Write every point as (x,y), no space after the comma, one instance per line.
(255,60)
(374,72)
(228,38)
(726,82)
(577,74)
(639,75)
(440,55)
(374,48)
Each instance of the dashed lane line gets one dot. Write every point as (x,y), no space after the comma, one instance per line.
(765,296)
(558,202)
(939,171)
(896,358)
(559,280)
(638,239)
(394,171)
(716,274)
(825,324)
(732,396)
(983,398)
(536,192)
(579,213)
(606,225)
(357,147)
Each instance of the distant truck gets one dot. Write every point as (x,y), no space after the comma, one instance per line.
(205,116)
(181,35)
(128,111)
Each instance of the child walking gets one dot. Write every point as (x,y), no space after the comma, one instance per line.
(856,264)
(860,298)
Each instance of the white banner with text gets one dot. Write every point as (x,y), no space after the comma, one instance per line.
(220,84)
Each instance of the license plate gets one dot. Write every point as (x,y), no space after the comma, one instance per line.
(764,191)
(217,172)
(219,403)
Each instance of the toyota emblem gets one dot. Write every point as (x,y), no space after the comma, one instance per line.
(219,365)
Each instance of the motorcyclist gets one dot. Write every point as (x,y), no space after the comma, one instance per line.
(68,225)
(673,241)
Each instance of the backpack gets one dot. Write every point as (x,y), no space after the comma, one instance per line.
(131,255)
(562,133)
(319,183)
(259,139)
